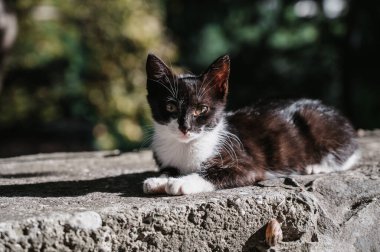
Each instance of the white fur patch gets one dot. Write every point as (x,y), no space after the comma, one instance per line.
(155,185)
(173,149)
(329,164)
(351,161)
(189,184)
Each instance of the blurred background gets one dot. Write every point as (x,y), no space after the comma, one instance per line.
(72,73)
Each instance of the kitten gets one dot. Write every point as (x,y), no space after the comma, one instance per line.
(212,149)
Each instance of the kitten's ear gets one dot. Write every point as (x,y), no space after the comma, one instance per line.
(156,69)
(217,75)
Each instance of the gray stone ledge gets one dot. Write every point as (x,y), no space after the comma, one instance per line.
(93,202)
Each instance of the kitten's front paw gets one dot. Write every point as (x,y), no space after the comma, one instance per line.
(155,185)
(175,186)
(188,185)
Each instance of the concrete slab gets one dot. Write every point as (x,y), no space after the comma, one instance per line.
(94,202)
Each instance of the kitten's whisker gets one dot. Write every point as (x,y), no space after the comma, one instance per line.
(234,137)
(146,140)
(200,88)
(177,88)
(148,132)
(174,77)
(228,148)
(228,143)
(169,98)
(207,89)
(171,86)
(196,90)
(220,156)
(162,84)
(234,157)
(208,82)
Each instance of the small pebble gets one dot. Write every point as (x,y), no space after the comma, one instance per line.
(259,200)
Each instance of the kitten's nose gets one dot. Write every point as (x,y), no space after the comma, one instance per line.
(184,129)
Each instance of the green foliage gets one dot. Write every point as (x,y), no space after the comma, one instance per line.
(84,61)
(278,52)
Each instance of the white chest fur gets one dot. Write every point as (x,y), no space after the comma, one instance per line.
(187,157)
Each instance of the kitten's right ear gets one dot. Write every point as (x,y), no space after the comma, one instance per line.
(156,69)
(217,74)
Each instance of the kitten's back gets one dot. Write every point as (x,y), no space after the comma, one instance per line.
(295,136)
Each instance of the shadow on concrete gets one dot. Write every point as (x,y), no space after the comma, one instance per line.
(128,185)
(28,175)
(256,241)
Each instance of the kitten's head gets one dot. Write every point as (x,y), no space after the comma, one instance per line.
(187,106)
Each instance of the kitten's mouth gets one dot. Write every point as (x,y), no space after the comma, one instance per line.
(185,138)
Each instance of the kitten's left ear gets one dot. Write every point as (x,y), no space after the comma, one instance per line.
(217,75)
(156,69)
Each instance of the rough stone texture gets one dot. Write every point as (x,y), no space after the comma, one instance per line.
(94,202)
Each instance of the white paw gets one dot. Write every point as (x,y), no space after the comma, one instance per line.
(175,186)
(189,184)
(155,185)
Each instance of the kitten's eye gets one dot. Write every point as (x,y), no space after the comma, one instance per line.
(201,110)
(204,109)
(170,107)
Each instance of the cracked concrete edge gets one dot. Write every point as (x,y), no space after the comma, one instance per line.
(232,220)
(228,221)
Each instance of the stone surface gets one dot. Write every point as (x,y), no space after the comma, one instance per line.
(94,202)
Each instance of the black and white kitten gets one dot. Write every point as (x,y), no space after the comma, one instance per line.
(200,148)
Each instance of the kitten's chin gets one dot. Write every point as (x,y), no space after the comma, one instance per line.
(185,140)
